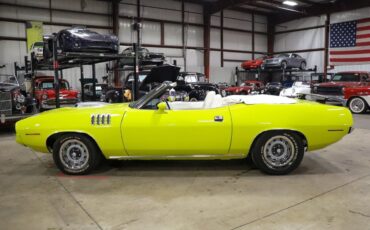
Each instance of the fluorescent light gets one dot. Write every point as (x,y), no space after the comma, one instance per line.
(290,3)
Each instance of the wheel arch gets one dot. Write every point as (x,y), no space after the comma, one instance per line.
(52,138)
(300,134)
(350,98)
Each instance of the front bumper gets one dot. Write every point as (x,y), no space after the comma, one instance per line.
(50,103)
(327,99)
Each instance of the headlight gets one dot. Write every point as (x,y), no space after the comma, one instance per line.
(44,96)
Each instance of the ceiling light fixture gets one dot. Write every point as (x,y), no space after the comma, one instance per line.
(290,3)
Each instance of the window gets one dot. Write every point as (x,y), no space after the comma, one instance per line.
(346,77)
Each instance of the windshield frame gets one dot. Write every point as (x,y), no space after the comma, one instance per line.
(138,104)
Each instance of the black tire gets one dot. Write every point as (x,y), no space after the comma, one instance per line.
(284,65)
(357,105)
(265,159)
(91,151)
(303,65)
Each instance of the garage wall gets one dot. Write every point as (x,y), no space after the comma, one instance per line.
(348,16)
(162,32)
(303,40)
(56,16)
(315,38)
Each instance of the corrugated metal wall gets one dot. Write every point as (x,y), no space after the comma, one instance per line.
(161,11)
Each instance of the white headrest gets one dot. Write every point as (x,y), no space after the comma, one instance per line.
(209,99)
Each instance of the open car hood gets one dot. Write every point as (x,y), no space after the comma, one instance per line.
(160,74)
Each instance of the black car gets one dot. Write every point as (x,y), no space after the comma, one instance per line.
(80,39)
(14,102)
(273,88)
(145,56)
(89,93)
(188,88)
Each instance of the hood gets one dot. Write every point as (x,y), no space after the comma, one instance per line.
(160,74)
(7,87)
(91,35)
(62,93)
(339,83)
(236,88)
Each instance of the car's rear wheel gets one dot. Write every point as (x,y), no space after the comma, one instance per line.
(303,65)
(76,154)
(278,152)
(357,105)
(284,65)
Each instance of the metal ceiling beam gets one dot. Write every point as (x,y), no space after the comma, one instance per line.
(224,4)
(326,8)
(275,5)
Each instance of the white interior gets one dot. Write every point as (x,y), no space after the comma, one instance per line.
(213,100)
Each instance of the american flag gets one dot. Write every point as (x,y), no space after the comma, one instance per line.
(350,42)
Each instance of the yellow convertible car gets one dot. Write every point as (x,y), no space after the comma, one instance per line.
(274,131)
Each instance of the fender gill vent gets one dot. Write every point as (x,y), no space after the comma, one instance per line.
(100,119)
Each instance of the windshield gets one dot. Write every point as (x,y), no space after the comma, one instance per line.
(38,44)
(50,85)
(346,77)
(282,55)
(191,78)
(152,94)
(141,77)
(8,79)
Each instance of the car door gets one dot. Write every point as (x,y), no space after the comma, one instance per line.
(177,132)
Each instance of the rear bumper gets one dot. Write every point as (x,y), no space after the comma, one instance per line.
(327,99)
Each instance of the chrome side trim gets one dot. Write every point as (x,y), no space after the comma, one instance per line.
(168,157)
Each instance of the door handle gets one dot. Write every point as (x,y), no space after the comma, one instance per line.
(219,118)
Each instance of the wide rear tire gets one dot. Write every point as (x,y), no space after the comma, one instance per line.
(278,152)
(76,154)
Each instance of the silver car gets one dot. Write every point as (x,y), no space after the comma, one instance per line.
(285,61)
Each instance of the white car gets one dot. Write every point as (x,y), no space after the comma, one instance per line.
(299,87)
(38,48)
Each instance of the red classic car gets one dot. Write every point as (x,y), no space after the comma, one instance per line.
(45,93)
(358,98)
(343,88)
(253,64)
(247,87)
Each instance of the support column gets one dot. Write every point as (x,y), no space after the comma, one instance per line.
(82,81)
(222,37)
(115,23)
(93,81)
(253,41)
(326,51)
(206,36)
(270,35)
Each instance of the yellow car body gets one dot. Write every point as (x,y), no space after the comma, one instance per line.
(133,133)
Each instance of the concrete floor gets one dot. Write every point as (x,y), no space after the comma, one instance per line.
(330,190)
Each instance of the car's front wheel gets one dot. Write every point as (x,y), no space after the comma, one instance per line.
(278,152)
(76,154)
(357,105)
(284,65)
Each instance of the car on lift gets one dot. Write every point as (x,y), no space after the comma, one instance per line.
(273,88)
(145,56)
(37,48)
(285,61)
(254,64)
(247,87)
(45,93)
(15,102)
(269,129)
(80,39)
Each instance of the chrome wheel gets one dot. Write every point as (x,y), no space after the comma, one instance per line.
(74,155)
(303,66)
(357,105)
(279,151)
